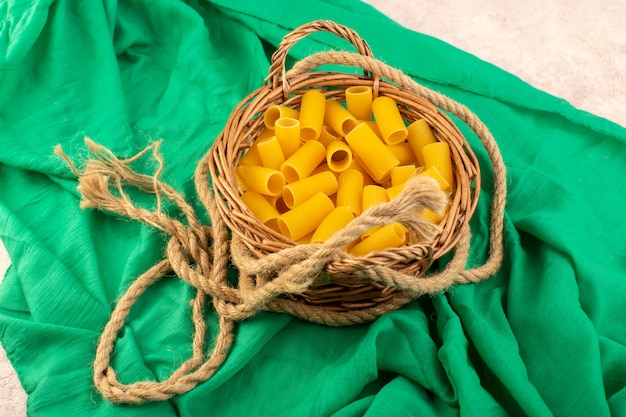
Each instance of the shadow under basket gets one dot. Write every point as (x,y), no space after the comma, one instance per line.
(343,284)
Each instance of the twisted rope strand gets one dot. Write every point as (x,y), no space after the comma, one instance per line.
(200,255)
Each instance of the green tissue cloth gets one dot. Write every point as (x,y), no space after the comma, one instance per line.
(545,336)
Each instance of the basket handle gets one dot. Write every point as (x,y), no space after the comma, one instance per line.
(278,70)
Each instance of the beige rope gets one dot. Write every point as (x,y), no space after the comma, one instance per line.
(199,255)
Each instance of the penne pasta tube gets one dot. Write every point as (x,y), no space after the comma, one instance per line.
(328,135)
(437,155)
(350,190)
(277,111)
(390,236)
(432,216)
(372,196)
(287,132)
(359,102)
(433,172)
(303,161)
(401,173)
(394,191)
(271,153)
(332,223)
(372,124)
(357,165)
(251,156)
(262,180)
(389,120)
(403,152)
(312,114)
(338,118)
(419,135)
(376,158)
(261,208)
(338,156)
(298,192)
(306,217)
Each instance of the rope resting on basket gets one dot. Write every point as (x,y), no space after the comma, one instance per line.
(199,255)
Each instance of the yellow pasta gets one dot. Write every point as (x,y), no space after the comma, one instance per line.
(271,153)
(350,191)
(389,120)
(338,118)
(298,192)
(334,222)
(372,124)
(401,173)
(419,136)
(433,172)
(357,165)
(394,191)
(403,152)
(338,156)
(390,236)
(359,102)
(251,157)
(373,195)
(328,135)
(263,180)
(432,216)
(262,209)
(303,161)
(287,132)
(438,155)
(306,217)
(312,114)
(276,112)
(376,158)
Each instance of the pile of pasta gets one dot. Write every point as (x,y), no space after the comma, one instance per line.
(313,169)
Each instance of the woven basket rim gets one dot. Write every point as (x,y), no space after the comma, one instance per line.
(246,122)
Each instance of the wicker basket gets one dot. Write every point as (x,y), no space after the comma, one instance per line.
(338,288)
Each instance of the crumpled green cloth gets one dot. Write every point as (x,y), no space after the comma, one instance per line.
(545,336)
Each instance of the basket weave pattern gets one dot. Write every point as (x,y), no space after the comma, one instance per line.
(338,287)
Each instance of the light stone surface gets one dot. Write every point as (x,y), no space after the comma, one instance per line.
(571,49)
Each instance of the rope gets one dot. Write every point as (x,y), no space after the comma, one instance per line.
(199,255)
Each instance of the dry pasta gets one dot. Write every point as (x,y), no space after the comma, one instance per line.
(312,114)
(303,161)
(251,157)
(335,221)
(276,112)
(419,136)
(367,179)
(306,217)
(328,135)
(271,153)
(437,155)
(376,158)
(433,172)
(389,120)
(262,209)
(401,173)
(403,152)
(350,191)
(373,195)
(287,132)
(338,156)
(359,102)
(298,192)
(390,236)
(338,118)
(263,180)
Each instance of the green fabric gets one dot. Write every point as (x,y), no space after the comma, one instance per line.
(545,336)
